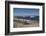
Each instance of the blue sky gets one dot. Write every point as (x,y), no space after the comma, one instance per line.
(25,12)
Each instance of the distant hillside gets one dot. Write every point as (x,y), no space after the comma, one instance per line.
(28,17)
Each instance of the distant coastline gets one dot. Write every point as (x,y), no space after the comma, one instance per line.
(28,17)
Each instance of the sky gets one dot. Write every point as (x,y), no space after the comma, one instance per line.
(25,12)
